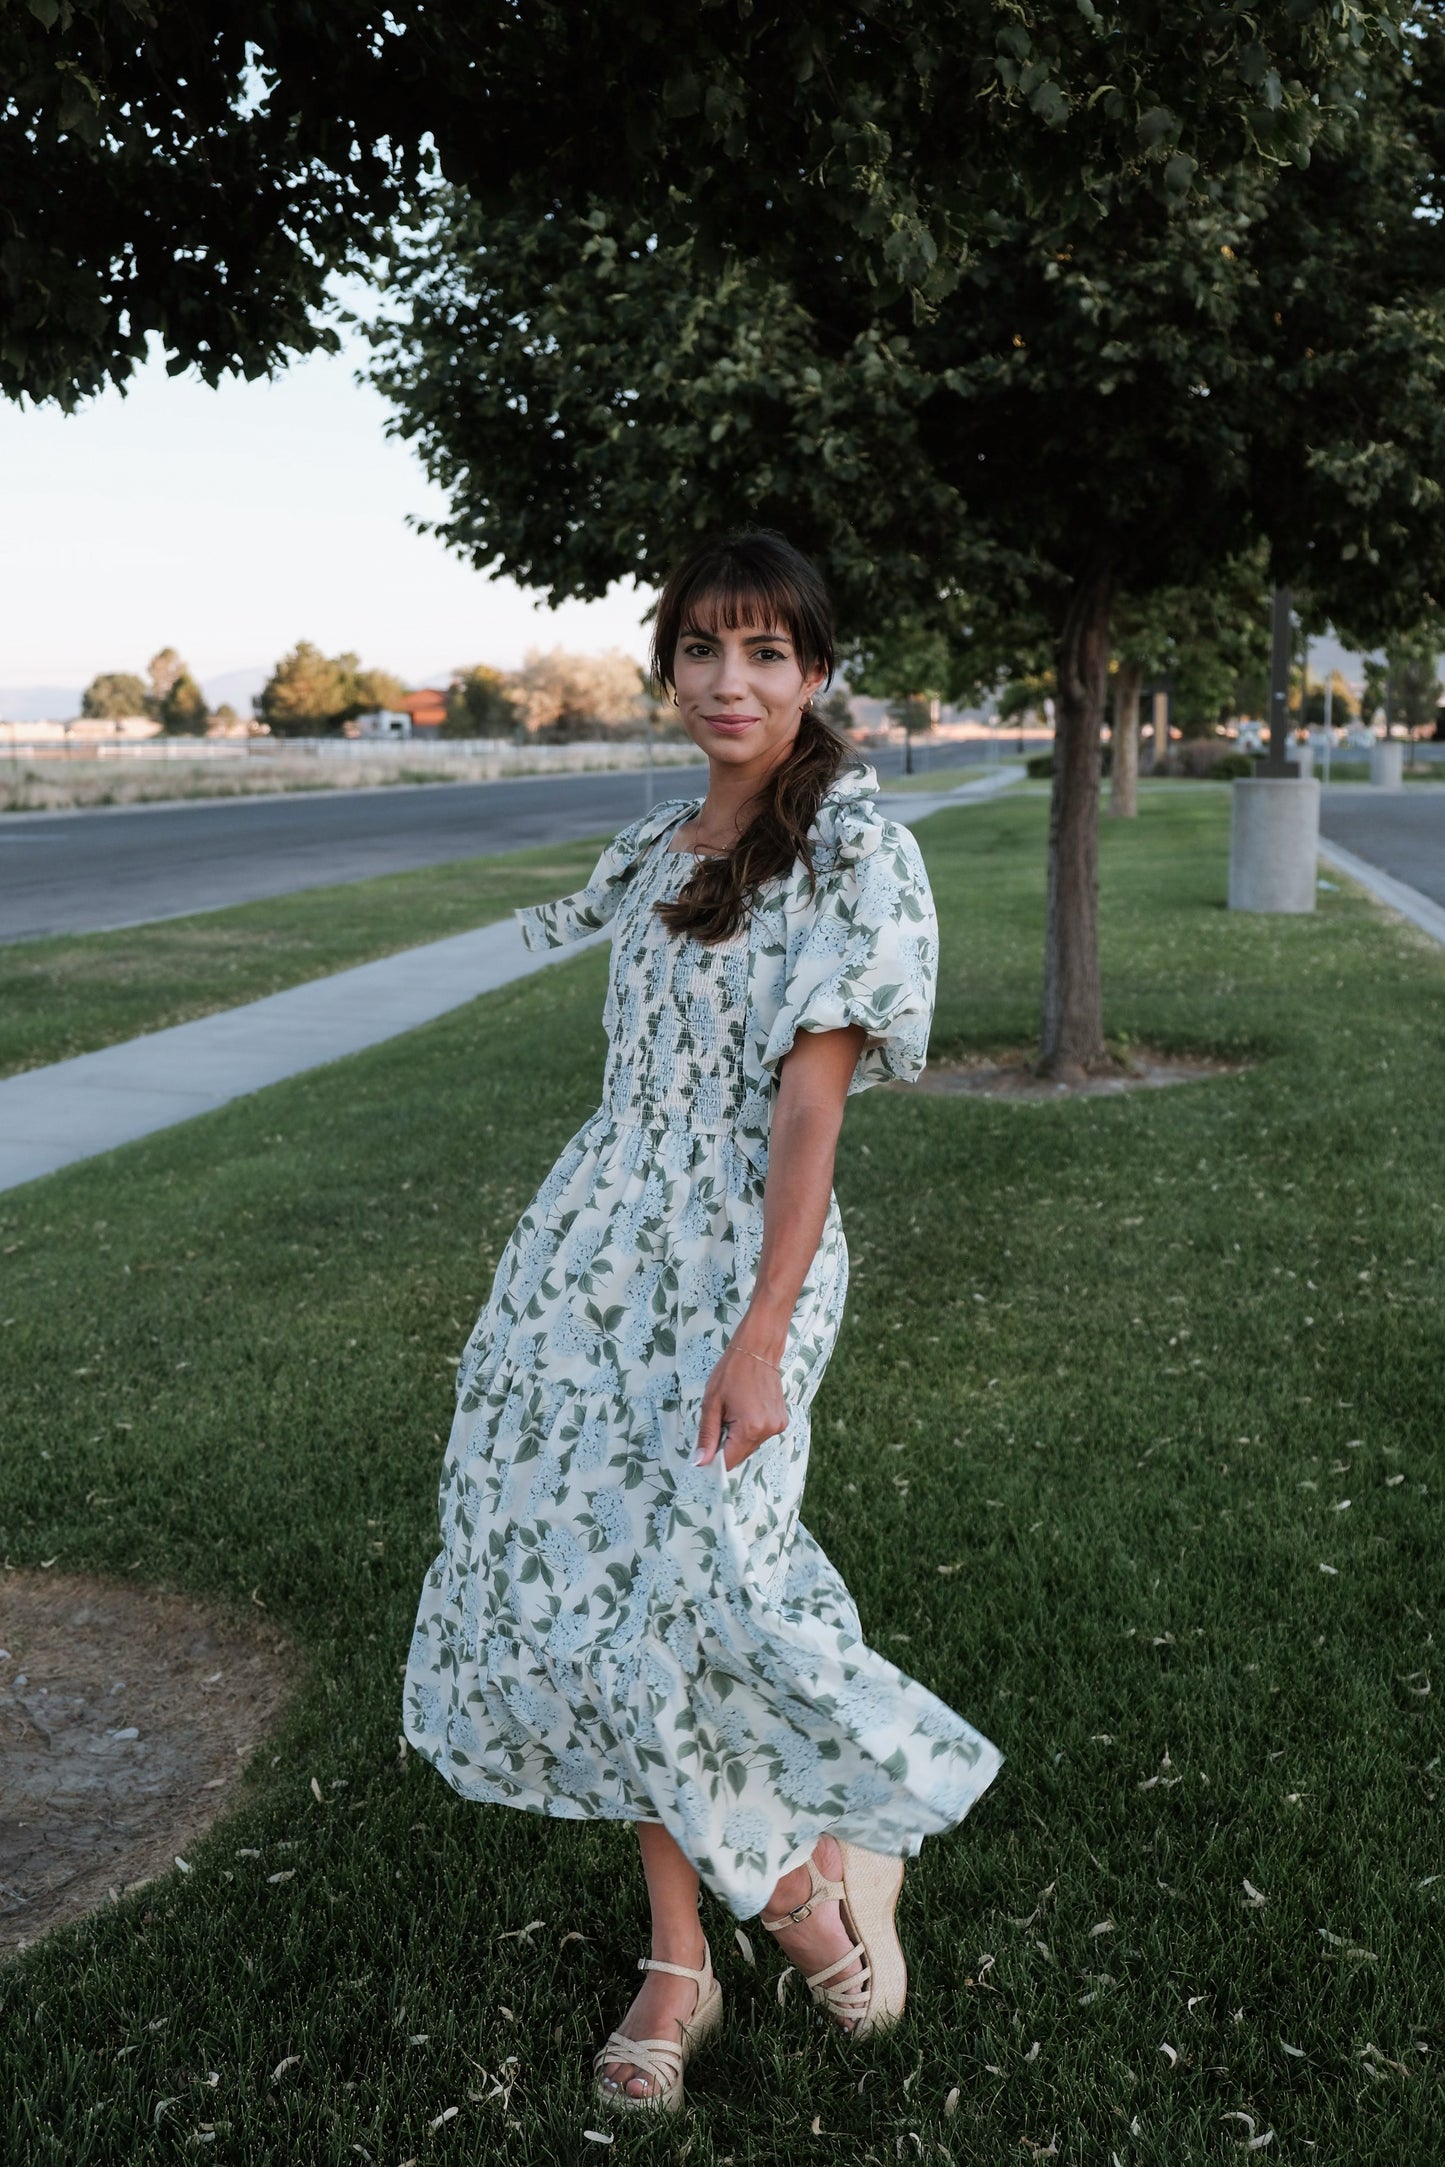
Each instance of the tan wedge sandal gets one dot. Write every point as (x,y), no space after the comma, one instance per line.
(867,1897)
(662,2059)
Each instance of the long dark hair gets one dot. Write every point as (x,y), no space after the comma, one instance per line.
(752,576)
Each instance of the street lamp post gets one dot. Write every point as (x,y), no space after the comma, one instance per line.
(1281,650)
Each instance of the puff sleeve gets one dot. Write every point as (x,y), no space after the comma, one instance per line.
(575,917)
(865,950)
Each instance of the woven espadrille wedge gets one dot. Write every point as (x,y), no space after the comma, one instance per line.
(662,2059)
(867,1897)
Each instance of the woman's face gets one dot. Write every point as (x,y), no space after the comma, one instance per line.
(741,693)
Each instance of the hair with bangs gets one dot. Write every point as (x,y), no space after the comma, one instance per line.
(753,576)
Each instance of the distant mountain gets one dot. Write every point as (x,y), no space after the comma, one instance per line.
(39,703)
(238,687)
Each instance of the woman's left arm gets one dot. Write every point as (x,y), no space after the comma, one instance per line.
(745,1390)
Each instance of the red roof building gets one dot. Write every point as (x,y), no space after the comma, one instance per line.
(427,708)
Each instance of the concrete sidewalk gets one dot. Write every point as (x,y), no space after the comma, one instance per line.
(50,1117)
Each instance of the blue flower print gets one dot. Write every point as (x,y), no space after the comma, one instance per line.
(583,1649)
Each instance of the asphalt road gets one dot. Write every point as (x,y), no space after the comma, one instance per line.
(1401,831)
(105,867)
(97,869)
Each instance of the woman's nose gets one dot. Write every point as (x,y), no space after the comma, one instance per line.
(732,682)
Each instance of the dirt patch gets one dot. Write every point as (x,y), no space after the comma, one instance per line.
(126,1720)
(1013,1076)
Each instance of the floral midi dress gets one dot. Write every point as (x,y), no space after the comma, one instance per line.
(608,1630)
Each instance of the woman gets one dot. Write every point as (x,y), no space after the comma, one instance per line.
(627,1619)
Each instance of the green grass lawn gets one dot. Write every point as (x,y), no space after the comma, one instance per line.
(1109,1373)
(73,992)
(943,778)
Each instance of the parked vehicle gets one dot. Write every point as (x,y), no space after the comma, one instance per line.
(382,722)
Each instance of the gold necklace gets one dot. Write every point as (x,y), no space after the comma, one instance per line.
(716,851)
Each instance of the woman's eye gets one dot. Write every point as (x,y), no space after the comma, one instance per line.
(769,654)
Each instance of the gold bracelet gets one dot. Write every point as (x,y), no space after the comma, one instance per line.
(763,1359)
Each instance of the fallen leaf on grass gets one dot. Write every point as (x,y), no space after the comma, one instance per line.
(1254,1899)
(950,2105)
(1350,1948)
(593,2136)
(1171,2052)
(287,1874)
(184,1864)
(1297,2052)
(448,2114)
(316,1792)
(745,1946)
(522,1933)
(1105,1926)
(282,2067)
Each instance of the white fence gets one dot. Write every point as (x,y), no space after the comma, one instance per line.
(488,757)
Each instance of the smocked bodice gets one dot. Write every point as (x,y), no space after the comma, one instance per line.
(676,1011)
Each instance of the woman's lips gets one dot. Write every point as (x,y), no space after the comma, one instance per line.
(733,724)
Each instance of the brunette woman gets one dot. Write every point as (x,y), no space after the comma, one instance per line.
(627,1619)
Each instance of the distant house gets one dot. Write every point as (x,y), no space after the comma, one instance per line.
(427,709)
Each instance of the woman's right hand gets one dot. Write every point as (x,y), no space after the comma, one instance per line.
(750,1408)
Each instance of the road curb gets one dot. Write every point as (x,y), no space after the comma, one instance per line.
(1409,902)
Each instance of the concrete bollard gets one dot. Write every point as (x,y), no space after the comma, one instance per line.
(1274,834)
(1303,757)
(1387,765)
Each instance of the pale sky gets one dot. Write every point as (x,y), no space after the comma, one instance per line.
(231,523)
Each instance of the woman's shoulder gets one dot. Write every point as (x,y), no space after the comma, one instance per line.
(631,841)
(850,826)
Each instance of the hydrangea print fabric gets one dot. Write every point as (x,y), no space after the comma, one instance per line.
(608,1630)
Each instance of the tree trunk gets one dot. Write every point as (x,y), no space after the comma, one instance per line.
(1124,766)
(1073,1032)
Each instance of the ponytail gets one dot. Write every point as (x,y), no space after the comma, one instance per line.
(714,903)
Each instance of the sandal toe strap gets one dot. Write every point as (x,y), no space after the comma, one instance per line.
(818,1978)
(658,2058)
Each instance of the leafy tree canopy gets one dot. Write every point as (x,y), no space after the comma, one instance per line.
(113,694)
(308,693)
(1112,329)
(480,703)
(183,708)
(196,174)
